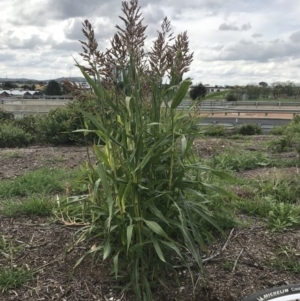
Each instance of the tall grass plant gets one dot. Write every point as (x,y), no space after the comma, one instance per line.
(150,203)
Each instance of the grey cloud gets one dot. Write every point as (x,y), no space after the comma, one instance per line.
(105,30)
(153,14)
(67,46)
(276,41)
(246,26)
(76,8)
(74,31)
(212,14)
(250,51)
(295,37)
(225,26)
(33,42)
(27,13)
(231,26)
(257,35)
(7,57)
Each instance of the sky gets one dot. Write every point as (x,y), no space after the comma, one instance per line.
(234,41)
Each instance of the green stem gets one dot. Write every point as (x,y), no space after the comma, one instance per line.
(172,155)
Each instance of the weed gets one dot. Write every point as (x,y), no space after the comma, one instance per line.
(8,249)
(42,181)
(238,161)
(255,206)
(286,259)
(11,278)
(280,186)
(10,154)
(34,205)
(283,216)
(227,265)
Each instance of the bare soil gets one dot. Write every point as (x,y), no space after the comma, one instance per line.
(44,247)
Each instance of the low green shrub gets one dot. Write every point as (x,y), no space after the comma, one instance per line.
(214,130)
(281,144)
(6,116)
(249,129)
(278,130)
(12,136)
(57,128)
(28,123)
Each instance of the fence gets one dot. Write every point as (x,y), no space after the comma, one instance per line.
(21,106)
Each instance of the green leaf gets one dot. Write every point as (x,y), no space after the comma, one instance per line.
(191,246)
(106,249)
(180,93)
(98,88)
(156,228)
(100,154)
(107,191)
(158,250)
(116,264)
(158,213)
(129,235)
(183,144)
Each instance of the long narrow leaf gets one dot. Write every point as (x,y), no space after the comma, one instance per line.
(129,235)
(107,191)
(158,250)
(180,93)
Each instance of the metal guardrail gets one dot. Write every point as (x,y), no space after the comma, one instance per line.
(266,128)
(245,107)
(224,103)
(21,106)
(24,101)
(249,110)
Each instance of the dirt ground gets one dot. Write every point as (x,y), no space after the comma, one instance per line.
(242,268)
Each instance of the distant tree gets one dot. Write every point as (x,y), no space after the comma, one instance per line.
(9,85)
(231,97)
(198,91)
(253,91)
(28,87)
(65,89)
(263,84)
(265,92)
(53,88)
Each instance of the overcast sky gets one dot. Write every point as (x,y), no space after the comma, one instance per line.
(234,41)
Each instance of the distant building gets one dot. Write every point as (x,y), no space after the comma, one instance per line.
(20,94)
(211,89)
(83,85)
